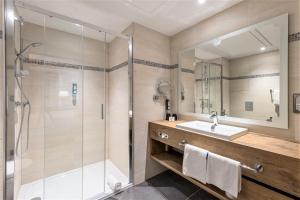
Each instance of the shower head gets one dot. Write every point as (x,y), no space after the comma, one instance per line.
(34,44)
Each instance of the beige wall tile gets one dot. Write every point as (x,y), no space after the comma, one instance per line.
(241,15)
(118,136)
(145,110)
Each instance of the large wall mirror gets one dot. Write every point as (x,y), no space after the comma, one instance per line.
(243,75)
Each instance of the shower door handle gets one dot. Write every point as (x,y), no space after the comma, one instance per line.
(102,111)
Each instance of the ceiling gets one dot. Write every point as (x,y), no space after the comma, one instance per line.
(243,44)
(166,16)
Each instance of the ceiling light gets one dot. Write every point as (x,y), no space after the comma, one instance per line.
(201,1)
(263,48)
(217,42)
(78,25)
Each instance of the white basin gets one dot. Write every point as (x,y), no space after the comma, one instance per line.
(221,131)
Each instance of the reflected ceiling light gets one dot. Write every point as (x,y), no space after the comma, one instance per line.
(78,25)
(63,93)
(217,42)
(263,48)
(201,1)
(10,15)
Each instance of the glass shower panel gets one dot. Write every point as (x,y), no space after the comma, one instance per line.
(15,93)
(94,106)
(215,87)
(202,89)
(208,90)
(63,104)
(31,150)
(117,156)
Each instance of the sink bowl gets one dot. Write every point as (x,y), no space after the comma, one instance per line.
(221,131)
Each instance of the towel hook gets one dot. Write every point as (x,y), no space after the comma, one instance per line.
(182,142)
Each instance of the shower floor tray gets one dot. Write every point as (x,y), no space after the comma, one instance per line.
(67,185)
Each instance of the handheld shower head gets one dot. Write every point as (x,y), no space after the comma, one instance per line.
(34,44)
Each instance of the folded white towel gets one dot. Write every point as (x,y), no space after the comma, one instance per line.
(194,162)
(224,173)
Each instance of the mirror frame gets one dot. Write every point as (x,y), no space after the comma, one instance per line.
(284,111)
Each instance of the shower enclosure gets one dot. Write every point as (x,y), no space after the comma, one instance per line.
(69,107)
(208,88)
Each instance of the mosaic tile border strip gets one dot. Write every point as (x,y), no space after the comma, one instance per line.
(187,70)
(294,37)
(116,67)
(150,63)
(239,77)
(210,79)
(61,64)
(251,76)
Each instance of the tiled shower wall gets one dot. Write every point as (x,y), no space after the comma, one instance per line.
(241,15)
(245,85)
(63,135)
(118,100)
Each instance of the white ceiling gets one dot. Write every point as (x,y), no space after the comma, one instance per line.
(166,16)
(244,44)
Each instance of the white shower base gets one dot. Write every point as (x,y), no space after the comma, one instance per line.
(68,185)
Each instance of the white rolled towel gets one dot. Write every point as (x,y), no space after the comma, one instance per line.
(114,184)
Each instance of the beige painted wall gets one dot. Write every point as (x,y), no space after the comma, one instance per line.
(241,15)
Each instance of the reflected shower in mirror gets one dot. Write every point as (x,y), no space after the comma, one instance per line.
(238,75)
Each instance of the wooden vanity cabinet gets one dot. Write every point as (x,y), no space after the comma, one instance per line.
(279,180)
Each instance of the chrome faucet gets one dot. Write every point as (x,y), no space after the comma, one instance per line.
(214,116)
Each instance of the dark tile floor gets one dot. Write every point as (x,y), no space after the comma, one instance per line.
(165,186)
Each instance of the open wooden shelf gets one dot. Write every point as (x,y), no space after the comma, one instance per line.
(173,161)
(168,153)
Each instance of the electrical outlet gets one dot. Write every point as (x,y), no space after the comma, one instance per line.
(296,103)
(248,105)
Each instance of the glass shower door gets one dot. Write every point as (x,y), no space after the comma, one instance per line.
(208,88)
(94,108)
(78,145)
(63,109)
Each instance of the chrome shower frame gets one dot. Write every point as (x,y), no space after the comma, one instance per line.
(8,104)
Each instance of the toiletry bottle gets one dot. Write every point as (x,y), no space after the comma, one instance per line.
(167,109)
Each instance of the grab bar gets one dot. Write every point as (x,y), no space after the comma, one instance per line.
(258,168)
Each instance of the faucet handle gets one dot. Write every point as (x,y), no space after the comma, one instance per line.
(213,114)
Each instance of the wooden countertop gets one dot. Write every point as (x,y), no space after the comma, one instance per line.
(255,140)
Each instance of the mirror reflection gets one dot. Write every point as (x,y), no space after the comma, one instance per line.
(236,75)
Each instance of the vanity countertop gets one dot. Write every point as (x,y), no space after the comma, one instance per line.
(255,140)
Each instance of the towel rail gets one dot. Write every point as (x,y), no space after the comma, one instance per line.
(258,168)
